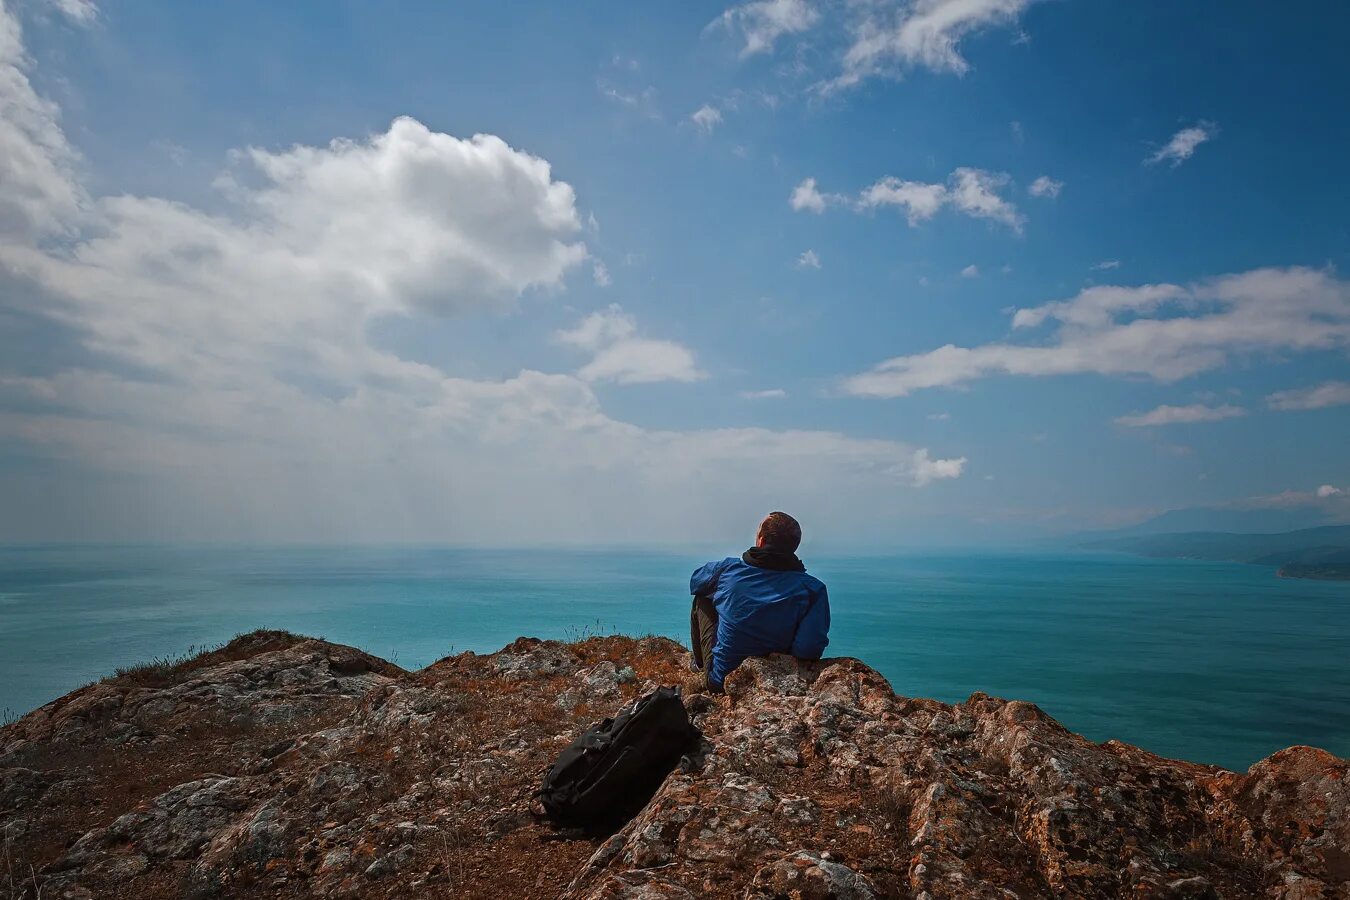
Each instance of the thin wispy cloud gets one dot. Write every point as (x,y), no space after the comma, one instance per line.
(641,101)
(1105,265)
(762,22)
(1045,186)
(768,394)
(808,260)
(621,355)
(81,12)
(888,38)
(971,192)
(1183,144)
(1330,393)
(1163,331)
(706,118)
(1181,415)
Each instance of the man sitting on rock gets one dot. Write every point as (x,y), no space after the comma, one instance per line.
(757,603)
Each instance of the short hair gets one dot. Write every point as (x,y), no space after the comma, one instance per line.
(781,532)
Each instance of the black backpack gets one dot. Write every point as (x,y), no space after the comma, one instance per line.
(609,773)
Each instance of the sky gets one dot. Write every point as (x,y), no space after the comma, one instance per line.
(916,271)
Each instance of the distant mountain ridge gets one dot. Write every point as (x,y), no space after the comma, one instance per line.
(1322,552)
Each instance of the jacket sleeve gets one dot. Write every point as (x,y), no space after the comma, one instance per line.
(704,580)
(813,634)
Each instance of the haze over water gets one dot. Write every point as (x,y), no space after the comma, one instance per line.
(1210,662)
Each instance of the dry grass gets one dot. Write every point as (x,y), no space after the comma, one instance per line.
(162,671)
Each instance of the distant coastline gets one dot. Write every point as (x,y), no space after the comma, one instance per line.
(1320,554)
(1315,572)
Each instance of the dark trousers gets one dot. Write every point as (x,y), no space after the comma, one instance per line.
(702,631)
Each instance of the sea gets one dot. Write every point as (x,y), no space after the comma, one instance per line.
(1211,662)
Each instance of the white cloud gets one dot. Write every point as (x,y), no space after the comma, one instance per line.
(39,195)
(641,101)
(808,260)
(1045,186)
(1181,415)
(888,38)
(973,192)
(970,271)
(1163,331)
(939,417)
(81,12)
(233,388)
(925,469)
(706,117)
(600,273)
(770,394)
(1105,265)
(806,196)
(763,22)
(620,355)
(1182,145)
(1328,490)
(919,200)
(1331,393)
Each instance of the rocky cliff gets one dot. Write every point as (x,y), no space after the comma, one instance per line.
(279,766)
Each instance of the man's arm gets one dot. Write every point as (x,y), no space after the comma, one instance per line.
(813,634)
(704,580)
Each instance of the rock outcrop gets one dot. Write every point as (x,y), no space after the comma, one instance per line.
(279,766)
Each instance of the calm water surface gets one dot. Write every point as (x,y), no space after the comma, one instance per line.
(1204,661)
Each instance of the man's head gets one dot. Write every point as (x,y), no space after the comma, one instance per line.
(780,532)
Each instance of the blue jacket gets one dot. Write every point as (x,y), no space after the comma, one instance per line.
(762,611)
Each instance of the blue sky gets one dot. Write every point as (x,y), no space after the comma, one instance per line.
(262,282)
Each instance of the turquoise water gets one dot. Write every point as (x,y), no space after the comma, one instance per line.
(1210,662)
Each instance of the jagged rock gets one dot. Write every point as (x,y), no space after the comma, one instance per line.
(807,876)
(20,786)
(285,767)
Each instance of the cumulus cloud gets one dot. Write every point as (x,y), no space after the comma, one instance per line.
(763,22)
(808,260)
(919,200)
(971,271)
(1163,331)
(1328,490)
(229,382)
(706,117)
(887,38)
(1183,144)
(926,469)
(1181,415)
(1045,186)
(1331,393)
(972,192)
(975,193)
(806,197)
(620,355)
